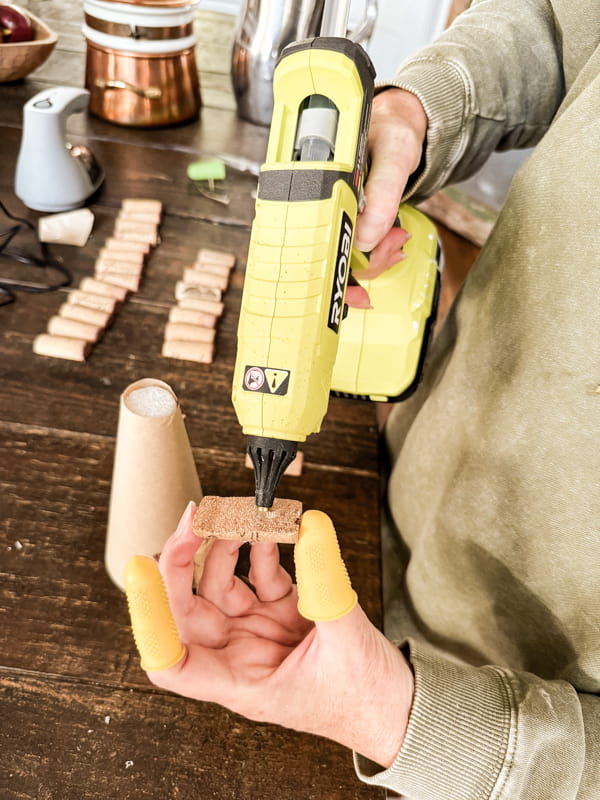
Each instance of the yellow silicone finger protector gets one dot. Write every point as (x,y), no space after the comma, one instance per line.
(154,629)
(324,589)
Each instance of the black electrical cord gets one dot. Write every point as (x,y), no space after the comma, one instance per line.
(45,260)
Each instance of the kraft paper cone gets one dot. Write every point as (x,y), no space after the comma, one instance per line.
(154,475)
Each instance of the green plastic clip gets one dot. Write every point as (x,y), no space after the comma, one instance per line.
(209,169)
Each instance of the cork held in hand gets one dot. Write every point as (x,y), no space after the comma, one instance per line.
(239,518)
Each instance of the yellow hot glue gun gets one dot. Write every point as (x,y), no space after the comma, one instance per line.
(295,345)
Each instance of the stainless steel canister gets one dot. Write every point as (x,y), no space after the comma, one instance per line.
(263,29)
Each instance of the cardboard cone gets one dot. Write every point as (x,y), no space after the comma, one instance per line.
(154,475)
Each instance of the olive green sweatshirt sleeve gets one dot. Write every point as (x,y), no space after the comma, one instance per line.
(487,732)
(473,461)
(494,80)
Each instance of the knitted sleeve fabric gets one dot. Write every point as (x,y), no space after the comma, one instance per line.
(516,357)
(486,732)
(494,80)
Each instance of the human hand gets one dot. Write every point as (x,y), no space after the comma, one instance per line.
(254,653)
(396,137)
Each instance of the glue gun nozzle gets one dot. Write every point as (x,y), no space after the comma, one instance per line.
(269,457)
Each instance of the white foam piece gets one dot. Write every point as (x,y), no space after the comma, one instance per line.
(70,227)
(151,401)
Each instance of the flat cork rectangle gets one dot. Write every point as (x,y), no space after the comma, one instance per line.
(239,518)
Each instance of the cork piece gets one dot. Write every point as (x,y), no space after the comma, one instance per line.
(188,316)
(185,291)
(63,326)
(188,333)
(209,256)
(97,286)
(202,352)
(142,230)
(113,259)
(201,277)
(239,518)
(141,205)
(104,266)
(128,223)
(91,316)
(138,236)
(61,347)
(113,244)
(207,306)
(216,269)
(145,217)
(122,279)
(293,470)
(100,302)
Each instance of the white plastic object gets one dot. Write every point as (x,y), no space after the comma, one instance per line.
(51,174)
(70,227)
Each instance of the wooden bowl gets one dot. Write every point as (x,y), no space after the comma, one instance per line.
(18,59)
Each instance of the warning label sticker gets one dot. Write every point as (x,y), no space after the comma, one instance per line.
(266,380)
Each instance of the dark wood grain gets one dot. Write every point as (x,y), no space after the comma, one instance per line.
(65,739)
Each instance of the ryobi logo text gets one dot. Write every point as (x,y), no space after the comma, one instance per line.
(342,265)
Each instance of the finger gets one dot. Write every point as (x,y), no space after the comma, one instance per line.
(358,297)
(219,584)
(270,580)
(396,136)
(154,629)
(177,562)
(324,589)
(387,253)
(196,620)
(383,192)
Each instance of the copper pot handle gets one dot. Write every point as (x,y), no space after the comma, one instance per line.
(151,93)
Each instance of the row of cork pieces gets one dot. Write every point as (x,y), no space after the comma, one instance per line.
(89,310)
(191,329)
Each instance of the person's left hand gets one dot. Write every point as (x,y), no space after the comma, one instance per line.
(254,653)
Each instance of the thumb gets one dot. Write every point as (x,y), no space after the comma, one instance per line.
(383,192)
(396,139)
(324,589)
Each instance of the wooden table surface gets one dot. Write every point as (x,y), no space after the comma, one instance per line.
(79,719)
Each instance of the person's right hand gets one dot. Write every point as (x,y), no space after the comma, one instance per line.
(396,137)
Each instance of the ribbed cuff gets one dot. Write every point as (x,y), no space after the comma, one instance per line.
(445,91)
(458,735)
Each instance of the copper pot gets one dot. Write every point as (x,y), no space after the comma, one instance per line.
(142,89)
(140,62)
